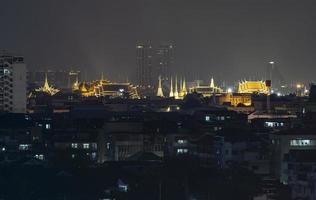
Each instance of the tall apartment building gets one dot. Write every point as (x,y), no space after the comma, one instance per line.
(153,62)
(144,61)
(12,83)
(164,60)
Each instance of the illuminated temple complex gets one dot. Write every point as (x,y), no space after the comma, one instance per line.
(46,88)
(105,88)
(178,89)
(249,87)
(207,90)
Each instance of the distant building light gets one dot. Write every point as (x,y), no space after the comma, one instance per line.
(74,145)
(86,146)
(279,94)
(182,151)
(273,124)
(47,126)
(207,118)
(24,147)
(3,149)
(302,142)
(122,186)
(229,90)
(6,72)
(39,156)
(182,141)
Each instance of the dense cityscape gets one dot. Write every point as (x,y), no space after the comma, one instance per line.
(158,131)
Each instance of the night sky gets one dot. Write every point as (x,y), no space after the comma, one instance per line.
(227,39)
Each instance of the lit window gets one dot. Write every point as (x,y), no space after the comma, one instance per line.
(182,141)
(182,151)
(74,145)
(207,118)
(301,142)
(39,156)
(86,146)
(273,124)
(24,147)
(47,126)
(6,71)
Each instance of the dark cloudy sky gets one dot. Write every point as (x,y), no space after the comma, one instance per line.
(227,39)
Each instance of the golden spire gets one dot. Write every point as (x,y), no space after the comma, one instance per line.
(159,91)
(212,83)
(176,94)
(76,84)
(46,88)
(83,88)
(171,88)
(180,88)
(184,88)
(46,85)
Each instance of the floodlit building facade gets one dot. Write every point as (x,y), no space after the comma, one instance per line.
(253,87)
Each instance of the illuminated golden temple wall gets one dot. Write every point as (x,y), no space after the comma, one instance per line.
(236,99)
(253,87)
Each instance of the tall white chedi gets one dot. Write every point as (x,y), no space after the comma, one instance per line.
(159,90)
(176,93)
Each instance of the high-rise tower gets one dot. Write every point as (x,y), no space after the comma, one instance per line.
(164,60)
(144,61)
(12,83)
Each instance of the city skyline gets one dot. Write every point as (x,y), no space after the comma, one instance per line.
(211,38)
(158,99)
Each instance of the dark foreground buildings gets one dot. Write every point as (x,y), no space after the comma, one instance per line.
(68,146)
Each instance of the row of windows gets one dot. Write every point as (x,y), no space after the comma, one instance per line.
(302,142)
(182,151)
(84,145)
(25,147)
(218,118)
(273,124)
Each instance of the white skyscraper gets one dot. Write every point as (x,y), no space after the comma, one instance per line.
(12,83)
